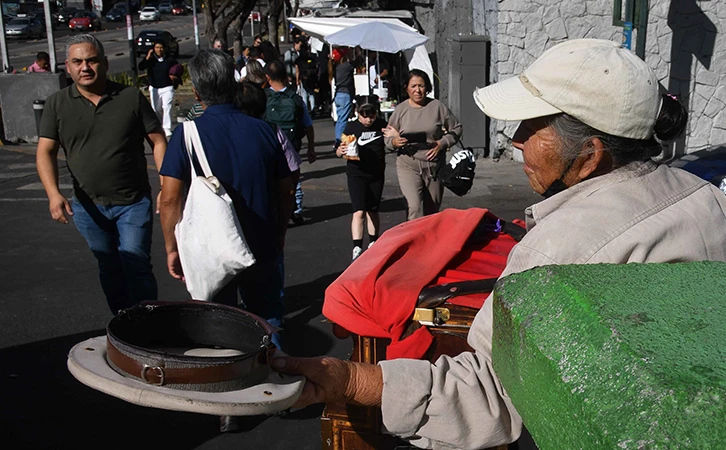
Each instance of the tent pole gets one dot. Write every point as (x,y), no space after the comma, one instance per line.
(368,68)
(378,71)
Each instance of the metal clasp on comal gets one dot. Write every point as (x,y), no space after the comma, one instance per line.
(435,316)
(159,371)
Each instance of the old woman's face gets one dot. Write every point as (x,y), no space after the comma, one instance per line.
(540,147)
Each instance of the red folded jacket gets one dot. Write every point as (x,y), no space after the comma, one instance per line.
(377,294)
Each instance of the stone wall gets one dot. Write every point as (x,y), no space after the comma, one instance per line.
(683,46)
(526,28)
(441,20)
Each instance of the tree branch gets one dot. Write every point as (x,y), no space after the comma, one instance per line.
(222,7)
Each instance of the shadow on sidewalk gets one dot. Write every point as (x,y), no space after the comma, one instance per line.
(304,303)
(328,212)
(44,403)
(316,174)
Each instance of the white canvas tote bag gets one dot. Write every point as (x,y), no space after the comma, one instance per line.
(212,247)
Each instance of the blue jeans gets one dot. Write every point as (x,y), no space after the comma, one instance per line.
(298,198)
(120,239)
(308,97)
(343,107)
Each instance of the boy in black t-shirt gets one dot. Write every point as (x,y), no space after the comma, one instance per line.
(365,170)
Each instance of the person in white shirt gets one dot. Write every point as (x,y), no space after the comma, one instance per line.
(254,55)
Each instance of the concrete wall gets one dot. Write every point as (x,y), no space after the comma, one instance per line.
(17,93)
(684,46)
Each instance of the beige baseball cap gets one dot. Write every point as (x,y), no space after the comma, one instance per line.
(596,81)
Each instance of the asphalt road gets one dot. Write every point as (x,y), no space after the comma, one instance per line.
(52,300)
(114,37)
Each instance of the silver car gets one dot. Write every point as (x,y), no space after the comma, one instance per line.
(149,14)
(24,28)
(165,8)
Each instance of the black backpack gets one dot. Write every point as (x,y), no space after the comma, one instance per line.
(458,174)
(285,109)
(308,67)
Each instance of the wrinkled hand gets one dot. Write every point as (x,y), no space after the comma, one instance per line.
(327,379)
(173,263)
(341,150)
(433,153)
(59,207)
(312,156)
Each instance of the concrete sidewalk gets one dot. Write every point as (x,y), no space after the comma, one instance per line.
(52,300)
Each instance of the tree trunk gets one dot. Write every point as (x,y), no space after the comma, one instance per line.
(239,24)
(209,18)
(219,15)
(273,21)
(228,17)
(237,27)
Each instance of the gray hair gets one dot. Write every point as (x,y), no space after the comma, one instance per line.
(85,39)
(575,135)
(212,73)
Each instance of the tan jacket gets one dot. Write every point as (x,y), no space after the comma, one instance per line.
(639,213)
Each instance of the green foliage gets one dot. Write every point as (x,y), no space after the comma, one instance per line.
(127,79)
(124,78)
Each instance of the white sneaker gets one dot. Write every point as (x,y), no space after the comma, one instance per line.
(357,251)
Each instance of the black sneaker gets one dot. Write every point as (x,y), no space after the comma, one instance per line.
(298,219)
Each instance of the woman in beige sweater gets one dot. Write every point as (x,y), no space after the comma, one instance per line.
(419,161)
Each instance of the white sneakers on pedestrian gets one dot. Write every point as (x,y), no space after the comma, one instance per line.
(357,251)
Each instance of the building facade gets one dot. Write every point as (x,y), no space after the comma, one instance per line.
(684,45)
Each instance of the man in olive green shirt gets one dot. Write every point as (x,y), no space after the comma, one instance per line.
(102,126)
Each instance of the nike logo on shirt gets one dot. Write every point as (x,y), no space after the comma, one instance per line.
(362,141)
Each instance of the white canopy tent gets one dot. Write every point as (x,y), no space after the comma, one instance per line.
(319,27)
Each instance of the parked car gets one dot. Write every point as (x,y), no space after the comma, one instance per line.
(179,9)
(149,14)
(39,14)
(66,14)
(24,28)
(709,164)
(145,42)
(165,8)
(116,14)
(85,21)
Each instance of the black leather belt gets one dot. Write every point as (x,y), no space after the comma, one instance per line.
(146,342)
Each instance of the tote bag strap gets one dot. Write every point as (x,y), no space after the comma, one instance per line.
(194,145)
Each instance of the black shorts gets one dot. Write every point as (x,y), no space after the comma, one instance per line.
(365,192)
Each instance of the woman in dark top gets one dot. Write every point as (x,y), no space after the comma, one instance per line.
(344,93)
(365,174)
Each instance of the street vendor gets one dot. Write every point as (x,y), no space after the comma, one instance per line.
(592,116)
